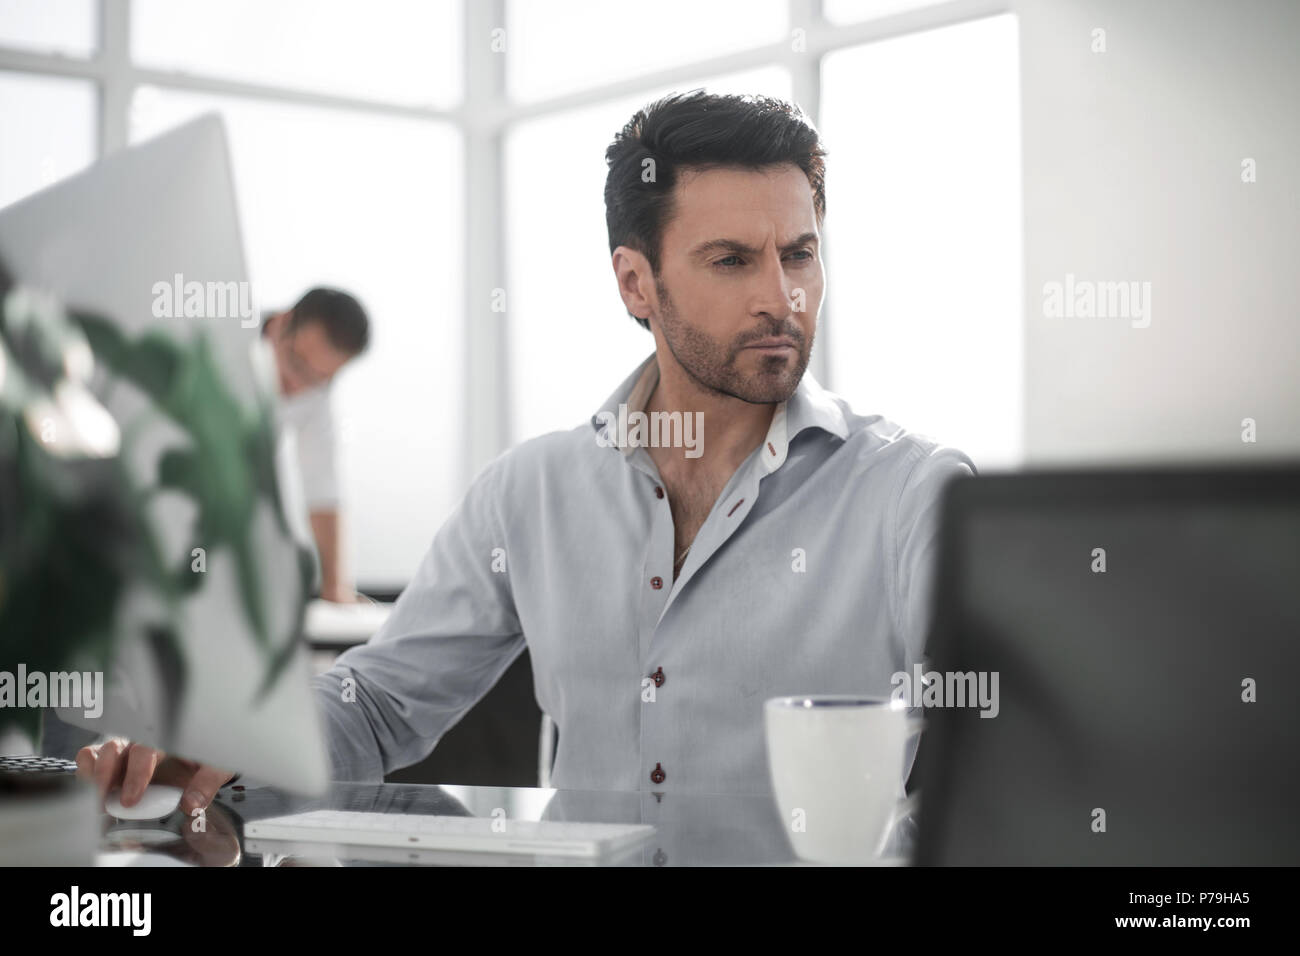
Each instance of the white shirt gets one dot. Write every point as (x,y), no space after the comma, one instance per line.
(306,457)
(307,416)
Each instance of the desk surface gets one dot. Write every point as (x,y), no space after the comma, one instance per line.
(342,625)
(691,829)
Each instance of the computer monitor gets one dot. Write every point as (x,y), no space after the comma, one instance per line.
(1145,630)
(149,239)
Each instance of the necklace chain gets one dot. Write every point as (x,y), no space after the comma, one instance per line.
(681,557)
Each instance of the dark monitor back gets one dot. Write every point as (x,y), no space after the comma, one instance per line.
(1118,691)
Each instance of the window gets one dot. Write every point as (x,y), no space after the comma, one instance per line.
(562,46)
(331,197)
(356,138)
(404,51)
(49,131)
(49,26)
(923,234)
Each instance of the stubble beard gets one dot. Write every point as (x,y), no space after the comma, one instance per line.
(712,366)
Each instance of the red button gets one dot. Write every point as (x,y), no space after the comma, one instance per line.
(656,583)
(659,492)
(658,677)
(657,774)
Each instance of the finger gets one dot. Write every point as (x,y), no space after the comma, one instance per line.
(174,771)
(85,760)
(140,764)
(108,764)
(203,787)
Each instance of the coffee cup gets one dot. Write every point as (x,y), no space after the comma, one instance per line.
(836,764)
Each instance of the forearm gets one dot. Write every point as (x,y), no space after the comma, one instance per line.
(336,577)
(447,641)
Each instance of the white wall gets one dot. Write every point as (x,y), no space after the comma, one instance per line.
(1132,163)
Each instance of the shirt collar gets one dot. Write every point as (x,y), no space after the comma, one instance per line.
(811,406)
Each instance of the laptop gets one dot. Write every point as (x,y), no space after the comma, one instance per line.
(1145,629)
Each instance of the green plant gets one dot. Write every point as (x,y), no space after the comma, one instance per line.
(74,532)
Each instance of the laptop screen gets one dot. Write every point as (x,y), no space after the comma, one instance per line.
(1144,630)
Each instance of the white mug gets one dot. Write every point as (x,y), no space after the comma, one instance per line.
(837,772)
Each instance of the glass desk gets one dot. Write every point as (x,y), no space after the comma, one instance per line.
(691,829)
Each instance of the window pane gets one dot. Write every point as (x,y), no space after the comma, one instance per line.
(372,205)
(855,11)
(564,45)
(404,51)
(50,26)
(924,234)
(49,131)
(571,339)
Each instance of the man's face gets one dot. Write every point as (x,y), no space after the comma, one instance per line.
(742,261)
(305,356)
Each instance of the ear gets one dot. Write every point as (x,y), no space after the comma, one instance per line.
(635,281)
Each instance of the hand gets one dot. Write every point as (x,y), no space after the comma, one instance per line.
(117,761)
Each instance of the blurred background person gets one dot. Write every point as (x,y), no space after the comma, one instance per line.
(312,341)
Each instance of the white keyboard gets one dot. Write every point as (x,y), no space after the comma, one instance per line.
(472,834)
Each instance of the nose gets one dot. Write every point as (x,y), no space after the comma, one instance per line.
(773,290)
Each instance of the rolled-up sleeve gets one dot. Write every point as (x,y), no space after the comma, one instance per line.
(452,634)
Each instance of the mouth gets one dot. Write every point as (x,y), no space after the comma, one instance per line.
(772,346)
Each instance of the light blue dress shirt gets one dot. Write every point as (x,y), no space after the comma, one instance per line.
(810,575)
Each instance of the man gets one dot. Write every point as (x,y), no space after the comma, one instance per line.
(312,341)
(665,592)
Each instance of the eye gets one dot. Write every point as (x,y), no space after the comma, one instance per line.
(728,262)
(803,254)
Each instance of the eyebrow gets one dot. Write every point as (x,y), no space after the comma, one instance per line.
(735,245)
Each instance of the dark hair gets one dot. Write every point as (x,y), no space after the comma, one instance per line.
(699,130)
(340,314)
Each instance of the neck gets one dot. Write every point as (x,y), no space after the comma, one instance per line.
(731,430)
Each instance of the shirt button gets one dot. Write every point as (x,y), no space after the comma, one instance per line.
(657,774)
(658,677)
(656,582)
(659,492)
